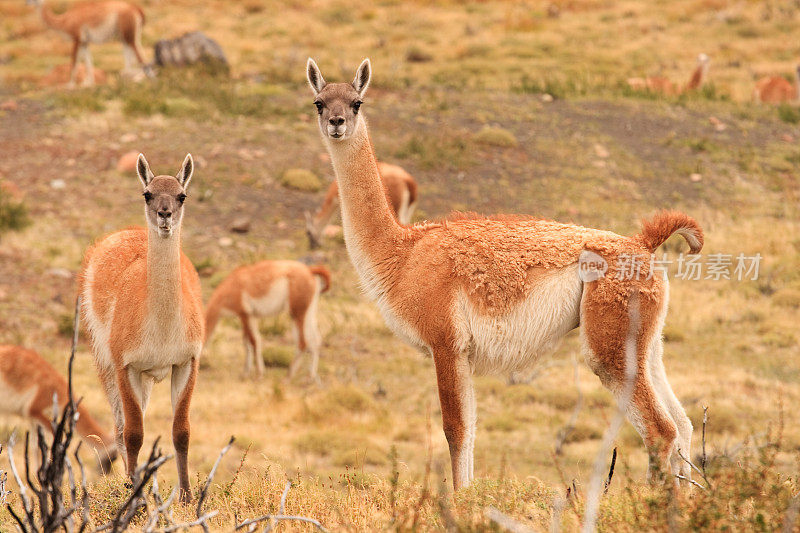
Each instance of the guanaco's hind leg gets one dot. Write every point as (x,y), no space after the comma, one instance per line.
(183,380)
(457,399)
(615,334)
(311,332)
(684,444)
(77,56)
(252,345)
(298,331)
(131,33)
(88,80)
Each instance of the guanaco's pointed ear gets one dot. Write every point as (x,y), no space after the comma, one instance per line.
(184,175)
(315,79)
(143,171)
(363,75)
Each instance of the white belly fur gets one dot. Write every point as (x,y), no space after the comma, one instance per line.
(272,303)
(528,331)
(14,402)
(106,31)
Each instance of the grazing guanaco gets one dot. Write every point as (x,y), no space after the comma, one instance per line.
(97,22)
(401,192)
(659,84)
(265,289)
(494,294)
(27,386)
(777,89)
(142,305)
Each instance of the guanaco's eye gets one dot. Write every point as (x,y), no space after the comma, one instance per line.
(147,196)
(319,106)
(181,197)
(357,105)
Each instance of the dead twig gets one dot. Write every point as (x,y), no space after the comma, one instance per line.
(611,470)
(274,518)
(693,482)
(46,508)
(204,491)
(137,500)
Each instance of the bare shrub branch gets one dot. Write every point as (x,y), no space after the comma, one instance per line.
(46,509)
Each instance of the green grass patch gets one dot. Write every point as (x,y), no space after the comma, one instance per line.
(432,151)
(301,179)
(278,356)
(13,213)
(495,136)
(789,113)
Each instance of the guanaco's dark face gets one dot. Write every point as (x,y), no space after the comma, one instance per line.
(338,105)
(164,195)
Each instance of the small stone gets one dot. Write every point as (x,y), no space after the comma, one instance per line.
(225,242)
(241,225)
(127,163)
(601,151)
(717,123)
(695,177)
(58,184)
(70,162)
(9,105)
(282,225)
(788,138)
(547,98)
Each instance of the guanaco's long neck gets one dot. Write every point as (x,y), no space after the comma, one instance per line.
(50,19)
(367,219)
(698,76)
(327,208)
(88,427)
(164,291)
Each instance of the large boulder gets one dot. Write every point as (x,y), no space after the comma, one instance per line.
(190,49)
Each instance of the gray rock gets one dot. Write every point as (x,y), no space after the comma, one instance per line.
(189,49)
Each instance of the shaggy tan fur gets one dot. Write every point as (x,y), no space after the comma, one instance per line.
(480,293)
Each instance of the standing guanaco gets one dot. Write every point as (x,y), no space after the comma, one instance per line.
(142,305)
(97,22)
(265,289)
(495,294)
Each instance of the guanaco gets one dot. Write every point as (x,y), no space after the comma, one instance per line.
(265,289)
(401,193)
(777,89)
(660,84)
(497,293)
(98,22)
(142,305)
(27,386)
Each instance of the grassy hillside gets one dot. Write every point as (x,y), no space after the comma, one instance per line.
(448,76)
